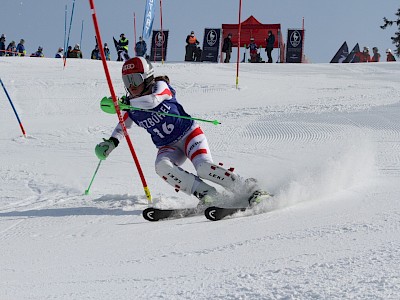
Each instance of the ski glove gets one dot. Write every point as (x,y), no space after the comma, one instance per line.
(103,149)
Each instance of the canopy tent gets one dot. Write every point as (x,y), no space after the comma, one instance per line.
(251,28)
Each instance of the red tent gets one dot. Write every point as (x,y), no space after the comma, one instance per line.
(251,28)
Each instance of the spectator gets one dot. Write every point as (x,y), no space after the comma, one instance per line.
(141,47)
(38,53)
(375,55)
(11,49)
(191,46)
(270,45)
(253,50)
(21,48)
(95,53)
(3,45)
(69,51)
(197,54)
(365,57)
(76,53)
(123,48)
(389,55)
(60,53)
(107,52)
(227,47)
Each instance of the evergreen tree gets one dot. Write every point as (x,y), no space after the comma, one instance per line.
(396,38)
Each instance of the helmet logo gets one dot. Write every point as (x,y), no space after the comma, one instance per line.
(128,67)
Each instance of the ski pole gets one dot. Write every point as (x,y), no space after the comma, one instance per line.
(115,101)
(12,105)
(107,106)
(94,175)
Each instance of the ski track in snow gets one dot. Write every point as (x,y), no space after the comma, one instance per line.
(325,141)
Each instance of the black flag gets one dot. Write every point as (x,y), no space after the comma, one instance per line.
(341,54)
(352,58)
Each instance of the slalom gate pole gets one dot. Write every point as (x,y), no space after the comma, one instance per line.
(94,175)
(80,43)
(134,29)
(162,34)
(65,29)
(115,101)
(12,105)
(69,33)
(238,51)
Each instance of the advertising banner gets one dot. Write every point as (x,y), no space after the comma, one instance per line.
(294,48)
(211,45)
(159,44)
(148,18)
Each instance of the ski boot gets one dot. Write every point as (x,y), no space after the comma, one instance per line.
(258,196)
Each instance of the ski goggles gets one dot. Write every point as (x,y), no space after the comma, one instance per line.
(134,79)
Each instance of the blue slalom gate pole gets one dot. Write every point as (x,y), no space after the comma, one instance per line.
(69,33)
(12,105)
(80,44)
(65,30)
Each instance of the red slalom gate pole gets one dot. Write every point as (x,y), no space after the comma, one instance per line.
(115,101)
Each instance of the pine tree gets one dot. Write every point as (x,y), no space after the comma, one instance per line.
(396,38)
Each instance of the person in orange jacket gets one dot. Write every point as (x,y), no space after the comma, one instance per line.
(191,46)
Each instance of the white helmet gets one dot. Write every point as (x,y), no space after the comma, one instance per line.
(388,50)
(137,70)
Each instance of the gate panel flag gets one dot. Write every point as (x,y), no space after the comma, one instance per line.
(341,54)
(211,44)
(148,19)
(159,44)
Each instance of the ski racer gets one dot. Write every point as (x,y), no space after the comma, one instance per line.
(176,138)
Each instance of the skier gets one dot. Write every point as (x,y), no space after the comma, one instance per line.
(176,138)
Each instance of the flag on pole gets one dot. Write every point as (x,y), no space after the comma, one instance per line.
(148,19)
(341,54)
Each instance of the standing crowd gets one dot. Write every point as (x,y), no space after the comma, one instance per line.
(255,55)
(365,56)
(192,50)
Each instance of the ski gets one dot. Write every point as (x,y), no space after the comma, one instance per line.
(216,213)
(156,214)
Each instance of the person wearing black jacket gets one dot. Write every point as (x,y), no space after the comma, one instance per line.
(227,47)
(191,46)
(270,45)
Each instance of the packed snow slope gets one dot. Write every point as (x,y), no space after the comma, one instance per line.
(323,138)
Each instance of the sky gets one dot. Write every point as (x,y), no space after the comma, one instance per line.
(323,138)
(327,23)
